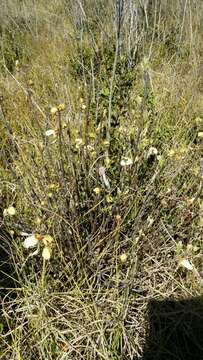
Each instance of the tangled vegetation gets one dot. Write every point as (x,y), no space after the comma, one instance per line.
(101,208)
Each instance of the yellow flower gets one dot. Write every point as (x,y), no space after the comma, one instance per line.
(53,186)
(47,240)
(97,190)
(171,152)
(54,110)
(200,134)
(109,199)
(10,211)
(123,257)
(30,82)
(61,107)
(64,125)
(46,253)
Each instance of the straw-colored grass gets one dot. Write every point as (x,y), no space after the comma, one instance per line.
(117,184)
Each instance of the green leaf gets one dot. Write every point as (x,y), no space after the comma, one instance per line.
(105,92)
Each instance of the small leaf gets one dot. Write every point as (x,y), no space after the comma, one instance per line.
(105,92)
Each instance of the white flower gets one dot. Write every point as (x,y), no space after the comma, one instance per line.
(102,173)
(126,161)
(30,241)
(50,132)
(46,253)
(152,152)
(186,264)
(150,221)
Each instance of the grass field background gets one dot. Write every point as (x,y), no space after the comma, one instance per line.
(101,127)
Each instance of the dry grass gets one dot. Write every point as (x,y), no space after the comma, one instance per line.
(116,246)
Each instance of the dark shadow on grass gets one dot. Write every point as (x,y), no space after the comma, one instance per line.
(7,271)
(175,330)
(6,266)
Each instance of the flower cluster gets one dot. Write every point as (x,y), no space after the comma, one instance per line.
(55,109)
(35,240)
